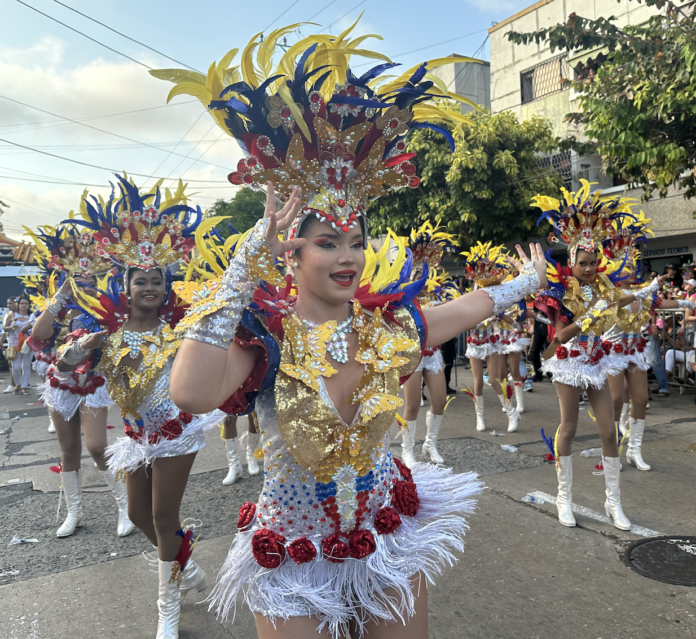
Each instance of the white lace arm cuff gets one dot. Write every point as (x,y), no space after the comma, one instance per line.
(506,294)
(648,290)
(73,354)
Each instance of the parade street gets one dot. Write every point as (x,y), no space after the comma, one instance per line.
(523,575)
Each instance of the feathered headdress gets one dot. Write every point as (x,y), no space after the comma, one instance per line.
(310,122)
(486,264)
(622,247)
(140,229)
(582,220)
(428,245)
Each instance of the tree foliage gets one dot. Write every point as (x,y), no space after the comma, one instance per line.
(483,190)
(640,107)
(243,210)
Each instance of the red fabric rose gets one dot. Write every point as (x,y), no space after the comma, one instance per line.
(632,351)
(405,498)
(187,418)
(63,386)
(599,355)
(54,382)
(98,381)
(171,429)
(387,520)
(334,549)
(403,469)
(267,548)
(302,550)
(618,348)
(153,438)
(640,348)
(561,352)
(361,544)
(574,353)
(131,433)
(606,345)
(247,512)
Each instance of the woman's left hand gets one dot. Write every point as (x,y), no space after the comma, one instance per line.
(536,254)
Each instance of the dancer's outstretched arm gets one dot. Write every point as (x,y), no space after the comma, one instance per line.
(467,311)
(209,366)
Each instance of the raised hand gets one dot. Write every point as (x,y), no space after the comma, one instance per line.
(536,255)
(94,341)
(281,221)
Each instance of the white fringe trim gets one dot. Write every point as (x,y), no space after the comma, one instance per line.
(432,363)
(354,589)
(66,404)
(128,455)
(579,372)
(479,352)
(517,347)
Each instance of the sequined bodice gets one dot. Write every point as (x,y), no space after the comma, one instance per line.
(295,503)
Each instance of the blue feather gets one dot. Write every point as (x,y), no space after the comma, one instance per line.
(437,129)
(549,443)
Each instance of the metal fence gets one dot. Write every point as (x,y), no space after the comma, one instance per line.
(676,341)
(545,78)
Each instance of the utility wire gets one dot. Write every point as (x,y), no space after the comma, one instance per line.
(279,17)
(101,44)
(344,15)
(94,128)
(33,208)
(96,166)
(106,26)
(171,152)
(321,10)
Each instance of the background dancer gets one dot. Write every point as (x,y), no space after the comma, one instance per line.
(327,556)
(583,302)
(76,397)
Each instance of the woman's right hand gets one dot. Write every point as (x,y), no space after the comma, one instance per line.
(281,221)
(94,341)
(66,289)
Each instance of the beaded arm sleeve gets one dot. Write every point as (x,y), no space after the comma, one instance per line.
(215,318)
(73,352)
(648,290)
(506,294)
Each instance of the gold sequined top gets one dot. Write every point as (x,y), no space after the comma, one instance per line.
(578,303)
(308,421)
(630,322)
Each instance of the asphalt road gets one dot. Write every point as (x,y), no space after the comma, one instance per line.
(522,575)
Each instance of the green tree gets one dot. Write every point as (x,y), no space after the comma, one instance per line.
(243,210)
(640,106)
(481,191)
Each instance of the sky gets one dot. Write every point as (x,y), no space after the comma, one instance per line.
(48,73)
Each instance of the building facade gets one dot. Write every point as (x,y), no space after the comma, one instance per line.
(529,81)
(469,79)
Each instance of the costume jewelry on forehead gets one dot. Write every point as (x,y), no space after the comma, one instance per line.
(582,220)
(310,122)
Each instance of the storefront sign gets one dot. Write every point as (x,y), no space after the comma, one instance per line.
(665,252)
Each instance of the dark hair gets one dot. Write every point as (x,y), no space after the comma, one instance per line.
(23,297)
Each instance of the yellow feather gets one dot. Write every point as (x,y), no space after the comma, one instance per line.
(284,93)
(248,69)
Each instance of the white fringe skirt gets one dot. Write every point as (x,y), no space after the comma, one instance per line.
(336,593)
(67,396)
(432,363)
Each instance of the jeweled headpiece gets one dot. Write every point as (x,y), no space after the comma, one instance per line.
(141,230)
(486,264)
(428,245)
(582,220)
(629,231)
(310,122)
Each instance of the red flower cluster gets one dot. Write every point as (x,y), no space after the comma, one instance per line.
(387,520)
(405,498)
(597,356)
(606,345)
(574,353)
(361,544)
(247,511)
(131,432)
(640,348)
(334,549)
(403,469)
(94,382)
(302,550)
(268,548)
(561,352)
(618,348)
(171,429)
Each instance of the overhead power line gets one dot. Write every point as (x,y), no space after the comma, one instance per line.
(326,6)
(94,128)
(278,18)
(345,14)
(101,168)
(101,44)
(123,35)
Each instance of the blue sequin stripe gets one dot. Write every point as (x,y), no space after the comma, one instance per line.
(367,482)
(324,491)
(255,326)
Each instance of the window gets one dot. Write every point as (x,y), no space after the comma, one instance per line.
(562,164)
(544,79)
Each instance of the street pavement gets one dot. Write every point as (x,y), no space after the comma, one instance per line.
(522,575)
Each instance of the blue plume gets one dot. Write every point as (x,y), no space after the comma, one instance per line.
(549,442)
(437,129)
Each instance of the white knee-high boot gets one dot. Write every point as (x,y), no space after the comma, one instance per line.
(433,422)
(512,414)
(519,397)
(479,404)
(235,467)
(634,455)
(623,420)
(118,488)
(73,498)
(612,505)
(564,499)
(169,600)
(409,441)
(252,462)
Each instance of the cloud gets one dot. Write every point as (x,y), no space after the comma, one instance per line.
(37,75)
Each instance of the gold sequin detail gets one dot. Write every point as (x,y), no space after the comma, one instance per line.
(603,290)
